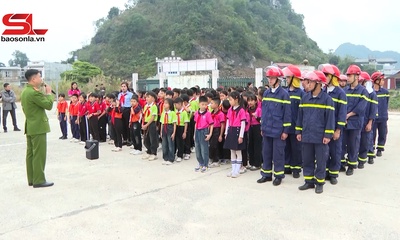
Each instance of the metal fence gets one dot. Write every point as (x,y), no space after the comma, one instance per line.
(147,85)
(235,81)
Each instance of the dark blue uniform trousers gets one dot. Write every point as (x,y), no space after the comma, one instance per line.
(315,156)
(365,146)
(273,150)
(381,127)
(293,159)
(334,159)
(351,142)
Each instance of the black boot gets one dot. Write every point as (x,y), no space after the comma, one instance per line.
(306,186)
(319,188)
(360,165)
(264,179)
(370,160)
(333,180)
(379,153)
(349,171)
(277,181)
(342,168)
(288,171)
(296,174)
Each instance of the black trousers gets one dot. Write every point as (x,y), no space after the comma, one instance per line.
(136,135)
(245,155)
(192,125)
(126,115)
(83,128)
(179,141)
(94,128)
(151,139)
(117,129)
(213,148)
(14,119)
(103,128)
(255,146)
(188,140)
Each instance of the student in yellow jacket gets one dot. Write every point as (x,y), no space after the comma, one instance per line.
(34,103)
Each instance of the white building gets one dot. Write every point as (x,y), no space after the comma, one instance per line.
(50,71)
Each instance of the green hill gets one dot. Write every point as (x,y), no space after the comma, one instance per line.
(242,34)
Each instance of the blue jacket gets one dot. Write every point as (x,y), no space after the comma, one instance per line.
(340,103)
(316,119)
(295,97)
(357,100)
(276,113)
(383,104)
(371,110)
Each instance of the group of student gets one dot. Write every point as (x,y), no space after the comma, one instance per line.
(309,125)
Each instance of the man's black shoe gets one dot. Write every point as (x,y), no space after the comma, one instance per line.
(349,171)
(296,174)
(306,186)
(17,129)
(371,160)
(342,169)
(5,130)
(61,137)
(327,176)
(333,180)
(379,153)
(30,184)
(319,189)
(277,181)
(264,179)
(361,165)
(45,184)
(64,138)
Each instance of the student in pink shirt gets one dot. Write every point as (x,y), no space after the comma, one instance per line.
(254,148)
(218,131)
(234,133)
(202,134)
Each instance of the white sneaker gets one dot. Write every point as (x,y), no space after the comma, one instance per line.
(117,149)
(132,147)
(192,149)
(82,143)
(138,152)
(179,159)
(147,156)
(72,139)
(111,142)
(168,163)
(152,157)
(76,140)
(213,165)
(164,162)
(242,170)
(132,152)
(187,157)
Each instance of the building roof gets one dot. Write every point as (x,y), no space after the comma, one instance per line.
(377,60)
(10,68)
(396,75)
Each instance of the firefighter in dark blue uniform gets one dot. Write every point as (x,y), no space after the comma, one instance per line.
(357,99)
(371,111)
(293,161)
(315,128)
(339,98)
(343,81)
(380,123)
(275,123)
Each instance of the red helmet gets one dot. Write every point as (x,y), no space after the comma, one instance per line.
(326,68)
(377,76)
(273,71)
(364,76)
(303,74)
(336,70)
(312,76)
(321,76)
(343,77)
(353,69)
(292,71)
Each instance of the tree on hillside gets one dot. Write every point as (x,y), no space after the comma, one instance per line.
(20,59)
(114,11)
(81,72)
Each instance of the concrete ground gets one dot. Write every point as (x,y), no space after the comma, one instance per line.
(121,196)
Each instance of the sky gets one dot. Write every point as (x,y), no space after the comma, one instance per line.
(70,24)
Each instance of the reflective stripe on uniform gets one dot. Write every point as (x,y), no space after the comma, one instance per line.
(320,180)
(308,105)
(362,159)
(308,177)
(279,173)
(276,100)
(329,131)
(266,171)
(357,95)
(296,97)
(341,123)
(383,95)
(339,101)
(295,167)
(333,172)
(287,124)
(299,128)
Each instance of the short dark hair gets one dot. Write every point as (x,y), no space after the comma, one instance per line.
(111,96)
(189,92)
(185,97)
(209,95)
(177,90)
(152,94)
(6,84)
(170,103)
(134,97)
(178,100)
(83,95)
(163,90)
(226,105)
(125,83)
(95,95)
(30,73)
(203,99)
(169,92)
(74,95)
(61,95)
(216,100)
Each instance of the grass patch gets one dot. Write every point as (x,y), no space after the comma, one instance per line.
(394,100)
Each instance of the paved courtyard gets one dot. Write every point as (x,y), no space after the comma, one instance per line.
(121,196)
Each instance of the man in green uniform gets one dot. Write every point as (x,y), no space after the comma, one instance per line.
(34,103)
